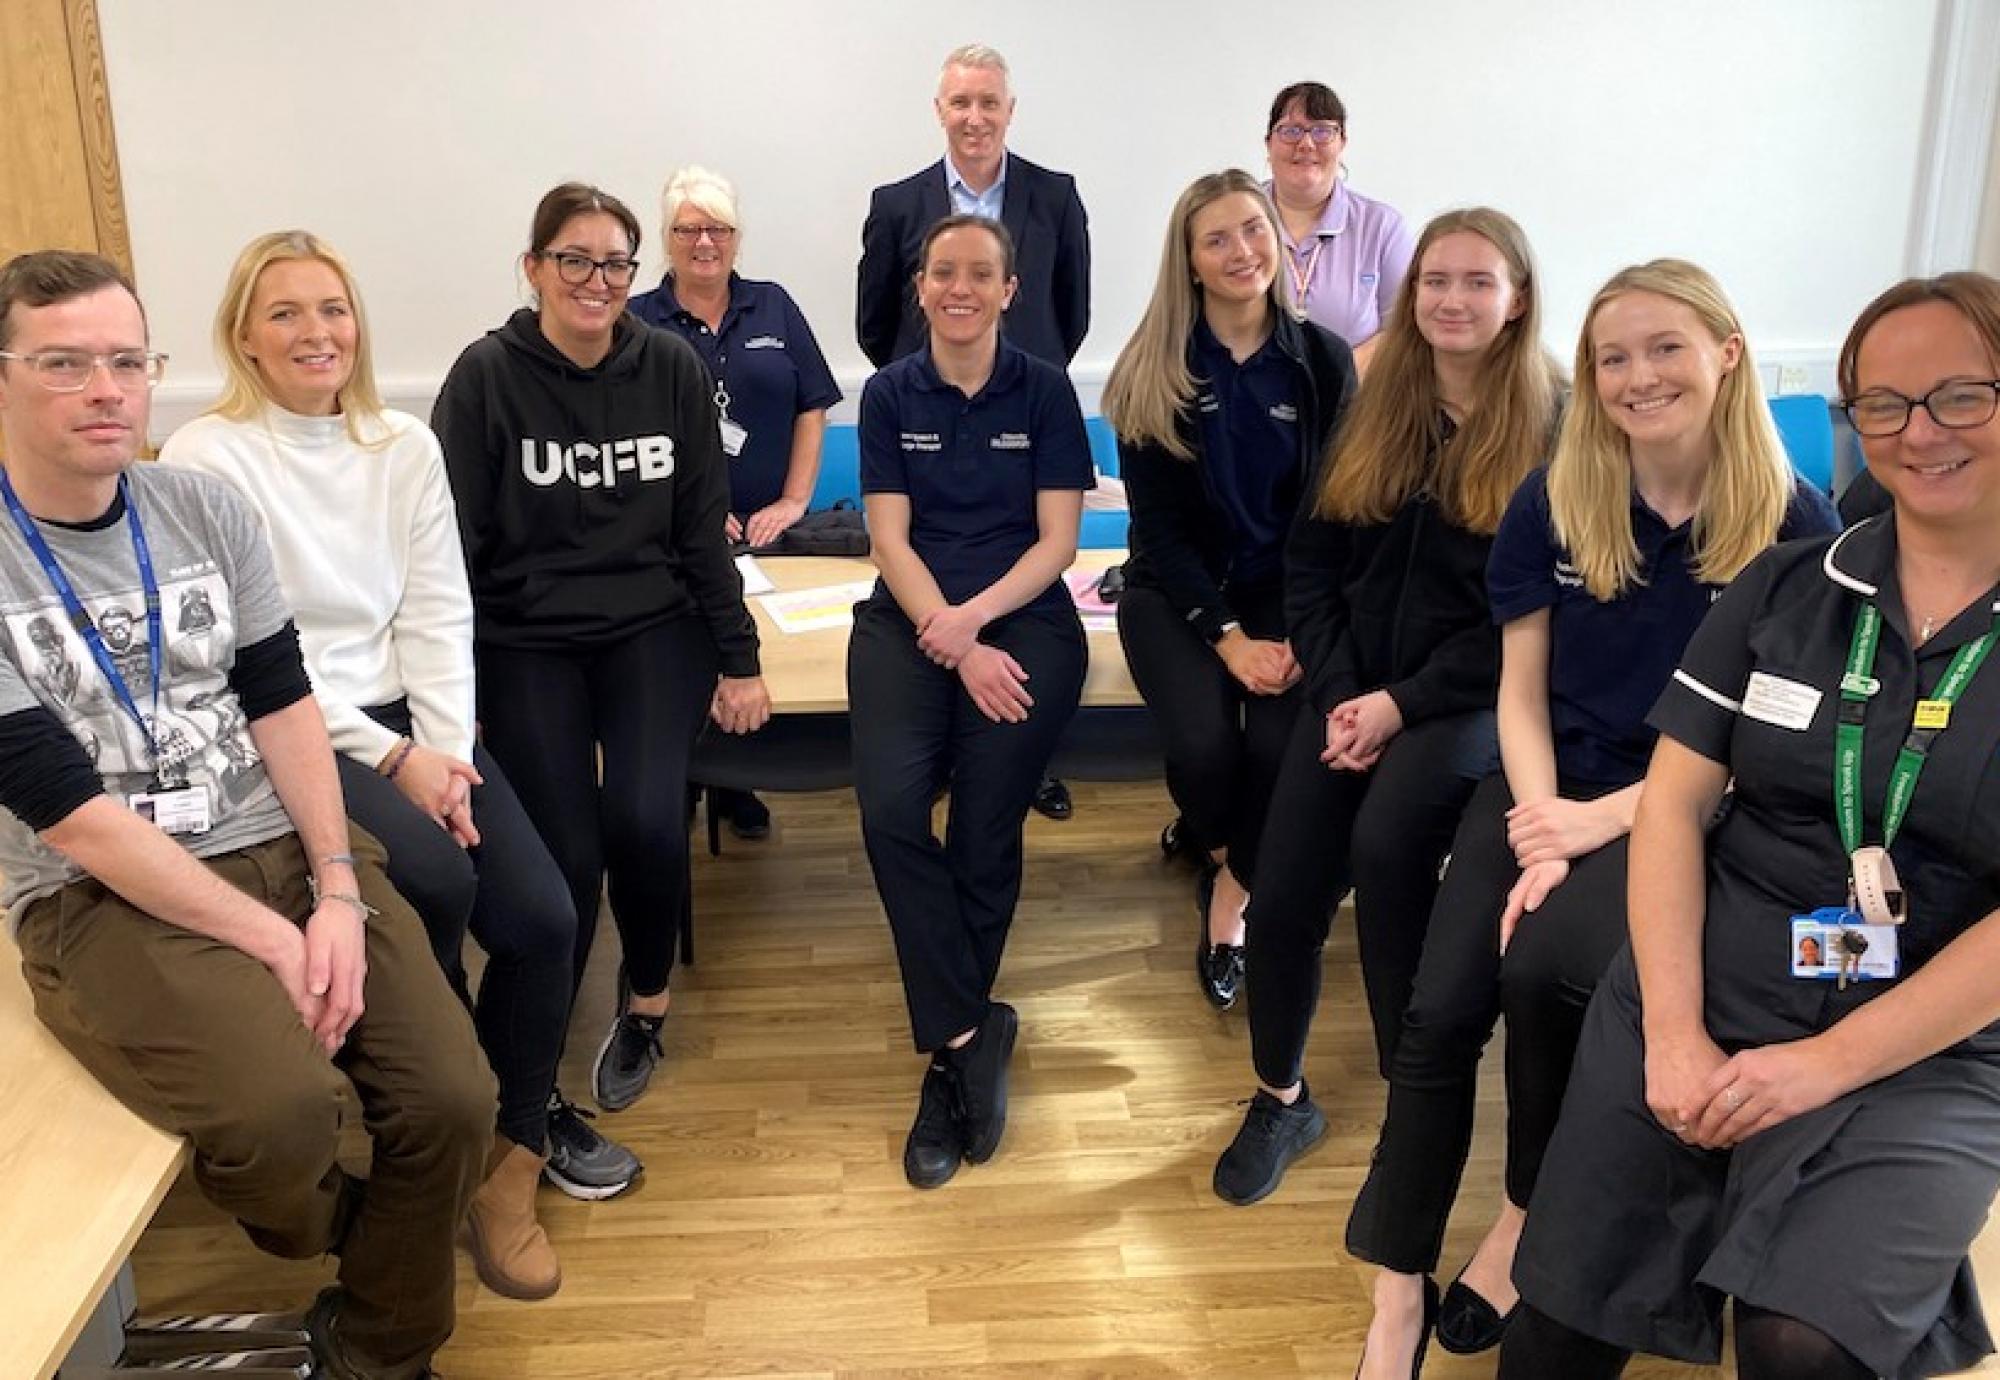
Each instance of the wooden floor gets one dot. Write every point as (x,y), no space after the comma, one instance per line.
(774,1235)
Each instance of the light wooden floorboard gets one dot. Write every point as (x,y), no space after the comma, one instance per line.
(774,1235)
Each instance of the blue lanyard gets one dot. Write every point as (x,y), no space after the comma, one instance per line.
(79,616)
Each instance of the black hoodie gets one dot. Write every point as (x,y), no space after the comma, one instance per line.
(591,501)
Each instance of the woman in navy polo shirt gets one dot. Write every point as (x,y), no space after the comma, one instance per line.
(772,386)
(1223,403)
(1821,1145)
(1667,480)
(1385,602)
(965,664)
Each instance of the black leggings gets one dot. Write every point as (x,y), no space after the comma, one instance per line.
(641,701)
(1550,970)
(1387,830)
(1223,744)
(917,732)
(1769,1346)
(508,893)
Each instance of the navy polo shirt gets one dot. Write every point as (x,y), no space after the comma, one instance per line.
(769,363)
(1609,661)
(972,467)
(1249,419)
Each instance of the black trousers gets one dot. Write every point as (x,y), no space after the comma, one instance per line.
(642,701)
(916,732)
(1462,984)
(1384,830)
(509,895)
(1223,744)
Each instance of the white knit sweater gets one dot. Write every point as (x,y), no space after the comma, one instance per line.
(366,543)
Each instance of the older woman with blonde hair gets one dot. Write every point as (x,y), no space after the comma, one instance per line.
(1223,403)
(1668,478)
(366,543)
(772,386)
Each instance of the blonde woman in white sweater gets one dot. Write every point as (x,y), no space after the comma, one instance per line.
(366,541)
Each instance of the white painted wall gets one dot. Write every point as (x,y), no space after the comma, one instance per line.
(1776,141)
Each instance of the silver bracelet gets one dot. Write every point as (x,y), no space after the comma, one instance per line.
(318,897)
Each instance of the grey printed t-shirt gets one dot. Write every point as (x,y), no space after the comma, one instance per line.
(218,592)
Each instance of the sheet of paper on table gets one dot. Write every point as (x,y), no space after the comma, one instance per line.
(1097,615)
(755,581)
(809,610)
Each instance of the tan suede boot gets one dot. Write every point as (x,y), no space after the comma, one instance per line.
(509,1248)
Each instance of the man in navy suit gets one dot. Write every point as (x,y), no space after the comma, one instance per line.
(978,176)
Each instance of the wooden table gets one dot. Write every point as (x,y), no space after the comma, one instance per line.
(80,1177)
(806,673)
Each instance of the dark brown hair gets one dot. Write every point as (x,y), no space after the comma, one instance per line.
(1316,99)
(575,199)
(1975,295)
(48,276)
(962,222)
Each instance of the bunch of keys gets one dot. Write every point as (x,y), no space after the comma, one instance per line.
(1852,945)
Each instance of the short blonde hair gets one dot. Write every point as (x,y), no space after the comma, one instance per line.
(710,193)
(244,394)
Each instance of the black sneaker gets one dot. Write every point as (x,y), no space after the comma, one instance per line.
(982,1080)
(583,1163)
(1272,1136)
(626,1059)
(749,818)
(937,1138)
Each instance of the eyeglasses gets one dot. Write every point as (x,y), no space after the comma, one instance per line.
(575,269)
(691,234)
(69,371)
(1319,134)
(1956,405)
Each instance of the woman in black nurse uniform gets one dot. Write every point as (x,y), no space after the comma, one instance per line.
(1819,1145)
(965,664)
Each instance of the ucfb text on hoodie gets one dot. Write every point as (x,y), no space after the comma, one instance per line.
(591,501)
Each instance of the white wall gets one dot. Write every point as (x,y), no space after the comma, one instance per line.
(1774,141)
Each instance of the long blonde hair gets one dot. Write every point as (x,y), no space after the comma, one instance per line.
(1150,385)
(1749,482)
(1379,459)
(244,394)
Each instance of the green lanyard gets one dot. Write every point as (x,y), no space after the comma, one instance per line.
(1857,686)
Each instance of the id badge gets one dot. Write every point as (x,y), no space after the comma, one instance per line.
(182,810)
(1835,944)
(733,437)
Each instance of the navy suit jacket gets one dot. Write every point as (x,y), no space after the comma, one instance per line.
(1043,213)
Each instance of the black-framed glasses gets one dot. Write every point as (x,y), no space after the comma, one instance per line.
(691,234)
(1956,406)
(69,371)
(1319,134)
(575,269)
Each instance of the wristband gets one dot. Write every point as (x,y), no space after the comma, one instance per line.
(403,752)
(337,860)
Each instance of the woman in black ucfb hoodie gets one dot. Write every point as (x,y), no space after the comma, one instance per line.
(587,466)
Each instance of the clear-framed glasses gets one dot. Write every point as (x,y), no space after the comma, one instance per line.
(1956,405)
(1323,133)
(69,371)
(575,269)
(691,234)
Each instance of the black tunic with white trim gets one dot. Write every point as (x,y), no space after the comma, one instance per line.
(1855,1217)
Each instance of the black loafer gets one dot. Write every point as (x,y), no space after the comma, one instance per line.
(1220,968)
(1052,799)
(749,817)
(1467,1324)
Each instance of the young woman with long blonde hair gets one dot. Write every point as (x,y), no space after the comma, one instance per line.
(1223,403)
(1667,480)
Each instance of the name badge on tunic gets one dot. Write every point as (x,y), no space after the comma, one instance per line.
(1774,700)
(182,810)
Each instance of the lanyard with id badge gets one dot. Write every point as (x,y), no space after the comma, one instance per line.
(174,805)
(733,433)
(1857,942)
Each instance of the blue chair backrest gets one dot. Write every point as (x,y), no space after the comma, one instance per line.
(1103,530)
(839,467)
(1103,444)
(1806,427)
